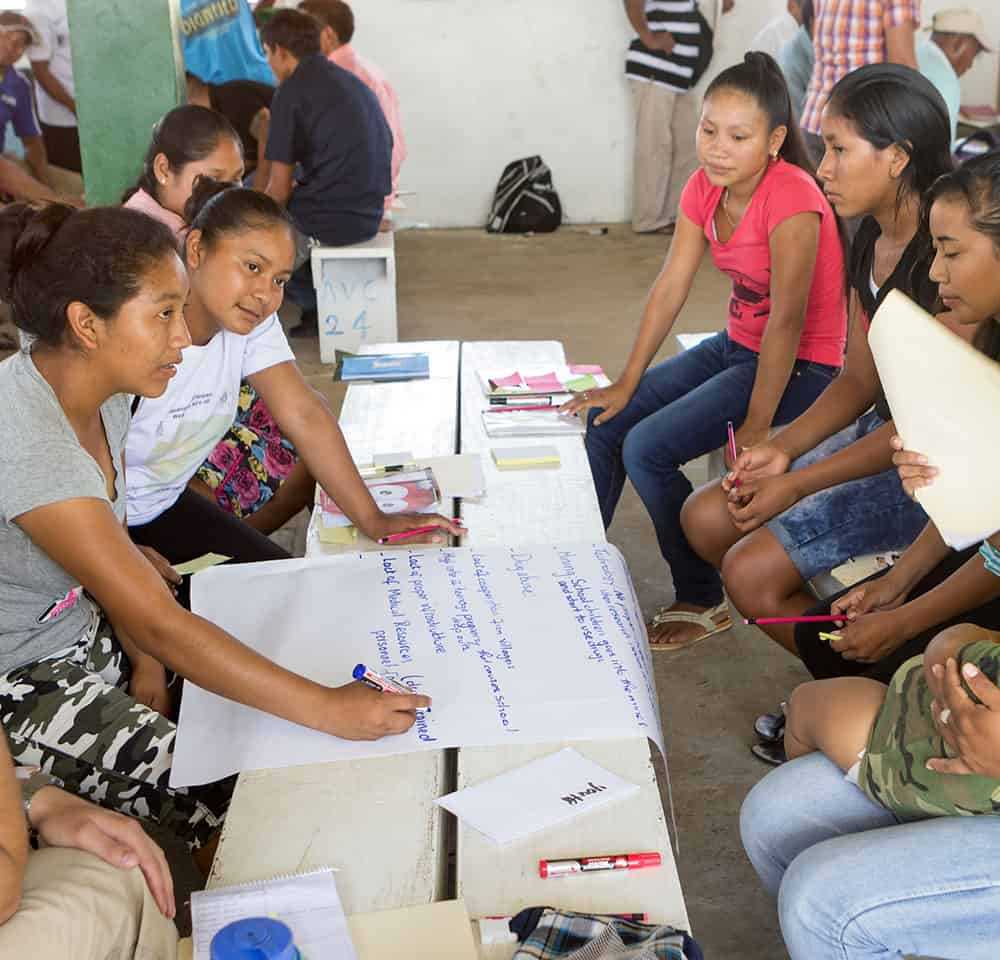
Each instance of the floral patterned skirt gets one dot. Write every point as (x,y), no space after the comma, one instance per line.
(250,462)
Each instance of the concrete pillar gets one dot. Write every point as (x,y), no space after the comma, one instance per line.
(128,71)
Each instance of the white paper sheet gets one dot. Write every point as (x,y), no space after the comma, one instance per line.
(689,340)
(514,645)
(541,794)
(308,904)
(942,393)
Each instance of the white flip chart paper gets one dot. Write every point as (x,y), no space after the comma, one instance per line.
(514,645)
(942,393)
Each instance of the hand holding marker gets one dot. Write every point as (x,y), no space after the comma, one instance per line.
(377,682)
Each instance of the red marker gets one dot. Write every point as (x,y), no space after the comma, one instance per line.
(617,861)
(732,449)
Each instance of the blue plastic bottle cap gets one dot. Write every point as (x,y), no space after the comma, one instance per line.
(258,938)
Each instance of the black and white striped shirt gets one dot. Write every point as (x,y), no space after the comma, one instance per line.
(675,70)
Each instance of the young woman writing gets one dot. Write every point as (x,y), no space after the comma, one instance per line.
(88,624)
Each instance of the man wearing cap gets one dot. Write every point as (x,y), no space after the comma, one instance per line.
(957,37)
(16,106)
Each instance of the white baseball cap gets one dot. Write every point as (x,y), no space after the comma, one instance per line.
(961,20)
(13,22)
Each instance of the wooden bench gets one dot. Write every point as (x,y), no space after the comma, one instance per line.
(542,506)
(376,820)
(355,294)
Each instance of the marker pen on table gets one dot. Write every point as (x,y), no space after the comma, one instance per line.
(521,401)
(616,861)
(522,407)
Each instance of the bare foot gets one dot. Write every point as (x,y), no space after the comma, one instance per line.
(679,633)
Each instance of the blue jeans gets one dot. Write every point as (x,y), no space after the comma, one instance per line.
(853,883)
(872,514)
(679,413)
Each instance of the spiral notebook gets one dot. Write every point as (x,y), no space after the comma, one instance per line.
(307,902)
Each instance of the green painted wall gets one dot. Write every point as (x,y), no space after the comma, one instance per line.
(128,71)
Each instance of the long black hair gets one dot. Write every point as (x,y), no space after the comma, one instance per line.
(760,78)
(184,135)
(889,104)
(53,255)
(976,183)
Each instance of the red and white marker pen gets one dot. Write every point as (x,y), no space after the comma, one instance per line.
(617,861)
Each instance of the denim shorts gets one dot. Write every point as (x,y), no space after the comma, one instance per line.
(853,519)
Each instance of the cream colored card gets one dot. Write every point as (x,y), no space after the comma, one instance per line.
(203,562)
(944,395)
(439,930)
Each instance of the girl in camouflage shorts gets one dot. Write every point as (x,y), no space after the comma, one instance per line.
(88,626)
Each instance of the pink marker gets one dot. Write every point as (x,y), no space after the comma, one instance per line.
(766,621)
(415,532)
(617,861)
(732,449)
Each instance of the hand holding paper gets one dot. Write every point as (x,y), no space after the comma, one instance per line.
(940,389)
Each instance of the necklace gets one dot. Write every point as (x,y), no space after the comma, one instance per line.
(725,208)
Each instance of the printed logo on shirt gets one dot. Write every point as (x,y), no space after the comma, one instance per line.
(209,15)
(59,607)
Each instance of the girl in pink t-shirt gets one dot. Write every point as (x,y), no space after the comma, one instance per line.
(755,205)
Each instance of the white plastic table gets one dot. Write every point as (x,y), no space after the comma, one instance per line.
(542,506)
(374,819)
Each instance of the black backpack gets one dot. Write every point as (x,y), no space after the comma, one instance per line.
(525,200)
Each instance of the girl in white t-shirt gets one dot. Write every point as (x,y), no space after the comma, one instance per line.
(189,142)
(239,253)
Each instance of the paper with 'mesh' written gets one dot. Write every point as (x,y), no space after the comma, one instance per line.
(541,794)
(943,393)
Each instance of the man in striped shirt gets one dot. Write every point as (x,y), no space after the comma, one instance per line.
(662,65)
(848,34)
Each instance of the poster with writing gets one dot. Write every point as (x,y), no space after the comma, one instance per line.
(514,645)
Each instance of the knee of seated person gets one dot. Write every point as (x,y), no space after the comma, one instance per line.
(705,521)
(950,641)
(811,896)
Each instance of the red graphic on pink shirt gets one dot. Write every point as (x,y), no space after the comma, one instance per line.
(59,607)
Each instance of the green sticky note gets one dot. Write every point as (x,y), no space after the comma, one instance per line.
(579,384)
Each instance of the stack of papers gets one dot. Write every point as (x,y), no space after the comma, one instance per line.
(308,904)
(539,795)
(543,381)
(410,491)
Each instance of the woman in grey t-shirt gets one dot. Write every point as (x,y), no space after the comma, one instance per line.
(88,627)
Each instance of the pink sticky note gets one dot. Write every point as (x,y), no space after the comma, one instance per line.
(583,368)
(514,380)
(546,382)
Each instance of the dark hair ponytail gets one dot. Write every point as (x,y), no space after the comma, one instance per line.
(53,255)
(217,208)
(760,78)
(184,135)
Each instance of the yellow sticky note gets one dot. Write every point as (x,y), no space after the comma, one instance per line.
(338,536)
(200,563)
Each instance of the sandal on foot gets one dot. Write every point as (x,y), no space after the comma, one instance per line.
(771,753)
(708,620)
(770,727)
